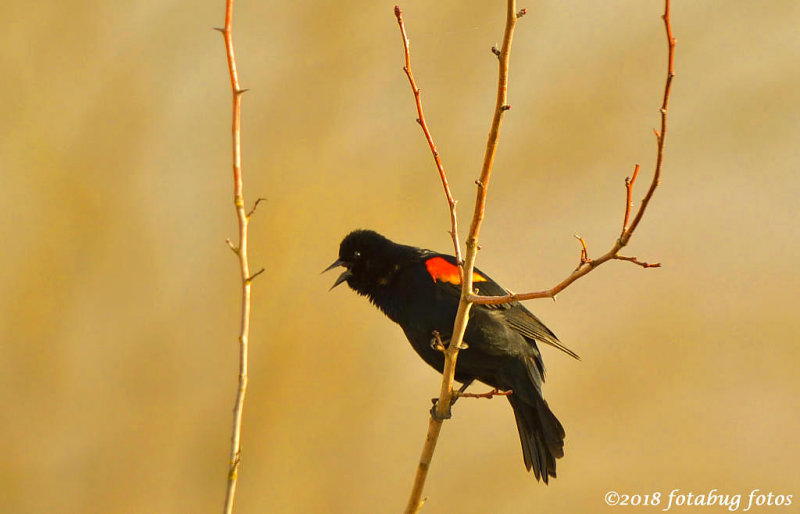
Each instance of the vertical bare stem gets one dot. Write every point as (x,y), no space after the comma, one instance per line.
(415,500)
(424,124)
(500,108)
(241,251)
(661,135)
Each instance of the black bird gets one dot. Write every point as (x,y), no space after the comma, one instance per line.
(419,290)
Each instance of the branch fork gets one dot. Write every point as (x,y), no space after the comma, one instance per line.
(466,265)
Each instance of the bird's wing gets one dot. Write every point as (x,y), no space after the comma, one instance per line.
(443,270)
(523,321)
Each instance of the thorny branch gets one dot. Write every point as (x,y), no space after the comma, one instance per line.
(241,251)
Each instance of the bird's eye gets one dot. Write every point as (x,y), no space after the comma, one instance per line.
(356,254)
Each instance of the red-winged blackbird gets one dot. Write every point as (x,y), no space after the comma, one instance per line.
(419,290)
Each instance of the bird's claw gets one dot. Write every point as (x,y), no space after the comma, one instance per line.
(438,344)
(435,415)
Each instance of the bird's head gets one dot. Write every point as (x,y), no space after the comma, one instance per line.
(369,260)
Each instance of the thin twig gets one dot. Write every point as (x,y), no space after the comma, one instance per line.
(584,253)
(488,395)
(629,181)
(254,275)
(241,252)
(422,123)
(255,205)
(622,241)
(636,261)
(415,500)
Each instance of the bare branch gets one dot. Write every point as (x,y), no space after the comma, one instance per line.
(468,297)
(421,120)
(488,395)
(660,134)
(241,251)
(451,354)
(627,232)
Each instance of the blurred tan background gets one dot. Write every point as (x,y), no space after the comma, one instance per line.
(120,299)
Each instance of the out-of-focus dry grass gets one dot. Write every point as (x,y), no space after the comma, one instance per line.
(119,296)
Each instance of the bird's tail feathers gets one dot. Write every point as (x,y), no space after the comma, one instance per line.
(540,432)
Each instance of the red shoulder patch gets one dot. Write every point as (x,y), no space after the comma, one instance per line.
(441,270)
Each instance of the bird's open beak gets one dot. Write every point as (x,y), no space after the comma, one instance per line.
(343,277)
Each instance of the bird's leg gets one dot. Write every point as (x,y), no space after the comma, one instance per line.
(461,390)
(456,394)
(436,416)
(437,343)
(440,345)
